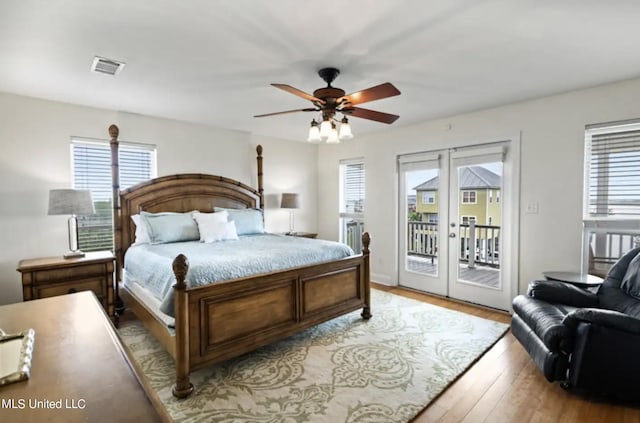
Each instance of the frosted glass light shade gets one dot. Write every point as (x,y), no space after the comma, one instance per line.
(325,129)
(314,132)
(333,135)
(345,130)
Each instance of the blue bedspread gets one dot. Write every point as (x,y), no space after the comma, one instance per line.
(150,265)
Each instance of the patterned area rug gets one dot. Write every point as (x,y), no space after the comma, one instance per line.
(386,369)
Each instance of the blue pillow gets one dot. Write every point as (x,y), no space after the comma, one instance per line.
(248,221)
(631,281)
(171,227)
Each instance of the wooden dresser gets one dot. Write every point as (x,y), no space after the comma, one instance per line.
(79,366)
(51,276)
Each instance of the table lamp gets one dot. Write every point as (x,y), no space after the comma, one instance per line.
(73,202)
(290,201)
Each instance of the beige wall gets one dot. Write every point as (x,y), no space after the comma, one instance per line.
(34,140)
(552,148)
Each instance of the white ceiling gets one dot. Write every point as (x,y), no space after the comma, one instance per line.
(211,62)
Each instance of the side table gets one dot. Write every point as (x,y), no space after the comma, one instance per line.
(581,280)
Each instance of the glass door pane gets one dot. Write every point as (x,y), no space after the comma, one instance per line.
(422,231)
(479,215)
(421,202)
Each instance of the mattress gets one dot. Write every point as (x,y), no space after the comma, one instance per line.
(151,265)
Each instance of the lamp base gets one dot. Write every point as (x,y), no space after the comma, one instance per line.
(73,254)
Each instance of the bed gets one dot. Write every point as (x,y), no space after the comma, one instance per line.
(222,320)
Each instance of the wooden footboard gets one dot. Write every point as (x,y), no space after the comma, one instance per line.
(224,320)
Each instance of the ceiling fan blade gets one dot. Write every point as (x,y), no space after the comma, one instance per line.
(369,94)
(370,114)
(299,93)
(288,111)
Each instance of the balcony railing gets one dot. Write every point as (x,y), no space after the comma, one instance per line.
(606,241)
(352,230)
(422,240)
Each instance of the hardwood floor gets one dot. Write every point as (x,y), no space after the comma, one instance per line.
(506,386)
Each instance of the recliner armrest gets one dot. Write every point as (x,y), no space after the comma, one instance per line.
(606,318)
(563,293)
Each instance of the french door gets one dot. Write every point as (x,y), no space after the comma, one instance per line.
(456,219)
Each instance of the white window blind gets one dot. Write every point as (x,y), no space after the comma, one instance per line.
(613,163)
(352,180)
(352,187)
(91,167)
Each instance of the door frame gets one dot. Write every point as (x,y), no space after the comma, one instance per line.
(512,278)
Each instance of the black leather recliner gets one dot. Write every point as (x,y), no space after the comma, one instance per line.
(589,341)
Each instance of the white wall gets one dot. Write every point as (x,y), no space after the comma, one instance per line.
(34,140)
(289,167)
(552,149)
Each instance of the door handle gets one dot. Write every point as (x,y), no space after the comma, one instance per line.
(452,235)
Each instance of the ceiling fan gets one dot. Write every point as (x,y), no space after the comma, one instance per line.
(330,100)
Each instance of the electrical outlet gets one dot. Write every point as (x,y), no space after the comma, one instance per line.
(532,208)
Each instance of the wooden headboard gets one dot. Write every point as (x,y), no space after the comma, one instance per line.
(173,193)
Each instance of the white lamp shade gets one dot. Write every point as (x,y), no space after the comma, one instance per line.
(345,130)
(314,134)
(290,200)
(325,129)
(333,135)
(70,201)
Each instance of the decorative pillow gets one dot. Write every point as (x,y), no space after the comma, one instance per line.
(142,233)
(248,221)
(208,219)
(218,231)
(631,281)
(170,227)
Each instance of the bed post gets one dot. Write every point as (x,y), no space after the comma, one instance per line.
(115,185)
(366,311)
(260,187)
(183,387)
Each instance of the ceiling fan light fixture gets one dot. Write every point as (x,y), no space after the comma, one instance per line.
(325,128)
(333,135)
(331,100)
(314,132)
(345,129)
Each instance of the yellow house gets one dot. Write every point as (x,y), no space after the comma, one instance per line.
(479,197)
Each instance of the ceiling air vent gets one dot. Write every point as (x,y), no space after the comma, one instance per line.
(106,66)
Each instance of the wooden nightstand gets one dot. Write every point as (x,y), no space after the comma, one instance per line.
(51,276)
(303,234)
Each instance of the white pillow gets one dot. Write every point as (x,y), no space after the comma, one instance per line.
(218,231)
(142,233)
(208,219)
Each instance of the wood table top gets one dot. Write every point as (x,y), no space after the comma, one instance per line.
(79,372)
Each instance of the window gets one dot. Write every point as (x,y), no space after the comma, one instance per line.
(613,167)
(611,192)
(467,219)
(428,197)
(490,196)
(91,167)
(468,197)
(352,203)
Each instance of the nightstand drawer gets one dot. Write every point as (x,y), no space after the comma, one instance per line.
(62,274)
(96,285)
